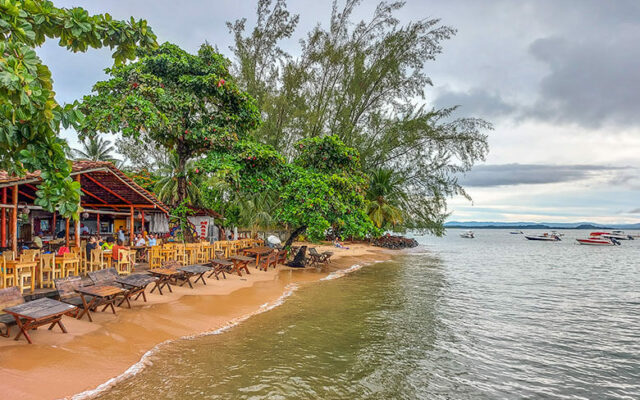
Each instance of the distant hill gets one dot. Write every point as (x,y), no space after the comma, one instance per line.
(535,225)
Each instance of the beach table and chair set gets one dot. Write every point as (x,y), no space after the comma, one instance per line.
(87,285)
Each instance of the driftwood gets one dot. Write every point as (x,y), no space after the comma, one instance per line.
(394,242)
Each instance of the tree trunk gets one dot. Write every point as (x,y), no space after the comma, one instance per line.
(294,235)
(182,176)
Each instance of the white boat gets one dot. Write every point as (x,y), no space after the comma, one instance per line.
(467,235)
(545,237)
(597,241)
(556,233)
(516,232)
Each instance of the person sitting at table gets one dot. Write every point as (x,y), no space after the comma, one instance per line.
(140,242)
(92,244)
(37,241)
(114,251)
(152,240)
(108,245)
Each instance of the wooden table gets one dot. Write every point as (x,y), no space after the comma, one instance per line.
(59,260)
(101,295)
(239,263)
(164,275)
(258,251)
(194,270)
(141,252)
(219,266)
(20,265)
(39,312)
(136,284)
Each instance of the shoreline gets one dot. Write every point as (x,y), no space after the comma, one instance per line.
(93,356)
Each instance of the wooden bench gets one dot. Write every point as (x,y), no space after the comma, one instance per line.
(66,288)
(9,297)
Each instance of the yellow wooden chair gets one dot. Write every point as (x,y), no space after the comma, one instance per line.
(69,264)
(96,260)
(28,255)
(180,254)
(48,270)
(155,257)
(9,255)
(7,274)
(126,259)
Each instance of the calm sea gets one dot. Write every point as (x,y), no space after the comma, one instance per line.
(493,317)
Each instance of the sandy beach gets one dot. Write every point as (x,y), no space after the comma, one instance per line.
(61,365)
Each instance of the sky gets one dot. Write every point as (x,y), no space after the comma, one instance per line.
(558,79)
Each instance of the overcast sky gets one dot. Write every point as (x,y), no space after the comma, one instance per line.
(560,81)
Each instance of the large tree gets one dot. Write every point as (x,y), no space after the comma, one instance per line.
(30,116)
(364,82)
(320,191)
(187,104)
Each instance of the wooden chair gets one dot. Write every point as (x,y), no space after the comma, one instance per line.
(96,260)
(48,271)
(180,254)
(108,277)
(281,257)
(9,297)
(191,254)
(83,265)
(66,288)
(69,264)
(126,259)
(6,273)
(28,255)
(266,261)
(317,258)
(24,274)
(155,257)
(9,255)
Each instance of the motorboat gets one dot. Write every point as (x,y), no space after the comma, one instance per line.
(556,233)
(618,235)
(467,235)
(516,232)
(599,241)
(545,237)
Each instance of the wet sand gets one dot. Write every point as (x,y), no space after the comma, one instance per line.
(60,365)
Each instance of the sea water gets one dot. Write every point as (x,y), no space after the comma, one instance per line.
(492,317)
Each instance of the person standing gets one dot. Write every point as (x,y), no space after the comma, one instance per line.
(121,236)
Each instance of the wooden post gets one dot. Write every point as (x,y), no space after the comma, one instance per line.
(131,228)
(14,221)
(77,230)
(66,233)
(53,227)
(142,220)
(3,218)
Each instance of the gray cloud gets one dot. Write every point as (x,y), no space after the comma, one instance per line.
(634,211)
(529,174)
(475,102)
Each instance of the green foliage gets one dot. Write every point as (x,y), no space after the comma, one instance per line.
(186,104)
(386,199)
(30,117)
(144,178)
(321,190)
(169,176)
(364,82)
(181,212)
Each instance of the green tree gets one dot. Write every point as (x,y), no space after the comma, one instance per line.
(95,149)
(186,104)
(30,117)
(364,82)
(321,191)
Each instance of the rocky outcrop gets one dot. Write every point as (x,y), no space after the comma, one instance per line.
(394,242)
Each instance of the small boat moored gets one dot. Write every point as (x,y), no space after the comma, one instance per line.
(467,235)
(544,237)
(516,232)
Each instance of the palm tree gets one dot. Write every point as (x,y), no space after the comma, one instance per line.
(256,211)
(95,149)
(386,198)
(167,186)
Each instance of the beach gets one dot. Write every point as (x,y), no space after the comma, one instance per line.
(61,365)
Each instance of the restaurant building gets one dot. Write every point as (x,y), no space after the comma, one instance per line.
(109,200)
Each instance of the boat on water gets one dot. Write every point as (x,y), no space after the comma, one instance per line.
(516,232)
(617,235)
(556,233)
(467,235)
(545,237)
(599,241)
